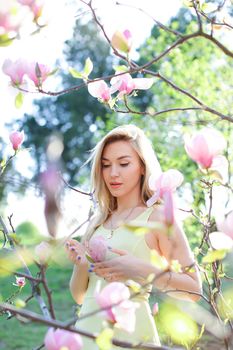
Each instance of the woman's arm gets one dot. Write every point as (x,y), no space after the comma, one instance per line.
(79,283)
(172,246)
(80,275)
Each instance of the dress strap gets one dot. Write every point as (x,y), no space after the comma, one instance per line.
(144,216)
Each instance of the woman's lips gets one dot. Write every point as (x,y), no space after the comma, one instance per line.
(115,185)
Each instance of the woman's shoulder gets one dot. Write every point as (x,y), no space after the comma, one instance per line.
(157,212)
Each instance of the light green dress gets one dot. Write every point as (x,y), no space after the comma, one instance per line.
(145,329)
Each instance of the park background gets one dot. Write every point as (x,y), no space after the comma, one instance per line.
(79,120)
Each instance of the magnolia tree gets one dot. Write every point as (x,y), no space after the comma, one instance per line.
(206,146)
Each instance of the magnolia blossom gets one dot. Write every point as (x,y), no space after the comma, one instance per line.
(34,5)
(122,40)
(99,89)
(8,22)
(219,240)
(225,225)
(51,184)
(20,282)
(123,314)
(204,146)
(97,248)
(125,84)
(16,70)
(155,309)
(163,187)
(16,139)
(26,2)
(61,339)
(37,8)
(38,72)
(43,252)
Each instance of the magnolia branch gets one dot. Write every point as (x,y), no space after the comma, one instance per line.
(61,325)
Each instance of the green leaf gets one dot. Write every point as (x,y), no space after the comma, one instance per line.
(19,303)
(141,228)
(89,258)
(208,7)
(19,100)
(88,67)
(104,339)
(158,260)
(53,71)
(5,40)
(112,102)
(214,255)
(176,266)
(75,73)
(121,68)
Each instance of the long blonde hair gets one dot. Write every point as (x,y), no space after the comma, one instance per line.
(106,202)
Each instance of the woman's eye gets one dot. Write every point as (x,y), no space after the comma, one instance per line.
(124,164)
(105,165)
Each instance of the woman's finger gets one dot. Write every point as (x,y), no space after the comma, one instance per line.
(119,251)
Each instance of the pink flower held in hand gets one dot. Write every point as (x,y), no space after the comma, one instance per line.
(122,40)
(99,89)
(204,146)
(16,139)
(20,282)
(226,225)
(16,70)
(97,248)
(125,84)
(123,314)
(61,339)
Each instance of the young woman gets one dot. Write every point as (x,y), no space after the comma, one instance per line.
(122,163)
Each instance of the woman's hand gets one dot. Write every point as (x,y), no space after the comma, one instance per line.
(76,252)
(122,268)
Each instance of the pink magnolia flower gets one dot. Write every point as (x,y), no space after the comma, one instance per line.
(16,70)
(43,252)
(34,5)
(97,248)
(219,240)
(122,40)
(7,22)
(61,339)
(37,8)
(163,187)
(226,224)
(204,146)
(20,282)
(123,314)
(99,89)
(155,309)
(26,2)
(38,72)
(51,184)
(125,84)
(16,139)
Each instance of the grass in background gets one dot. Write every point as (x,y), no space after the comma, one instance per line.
(27,336)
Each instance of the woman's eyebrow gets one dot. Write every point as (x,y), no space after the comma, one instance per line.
(121,157)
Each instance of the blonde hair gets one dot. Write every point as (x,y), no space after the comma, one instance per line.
(106,202)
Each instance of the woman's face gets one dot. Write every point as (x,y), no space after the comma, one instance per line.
(121,168)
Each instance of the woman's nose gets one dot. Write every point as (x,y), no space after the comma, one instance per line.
(114,171)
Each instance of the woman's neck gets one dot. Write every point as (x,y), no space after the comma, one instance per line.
(129,202)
